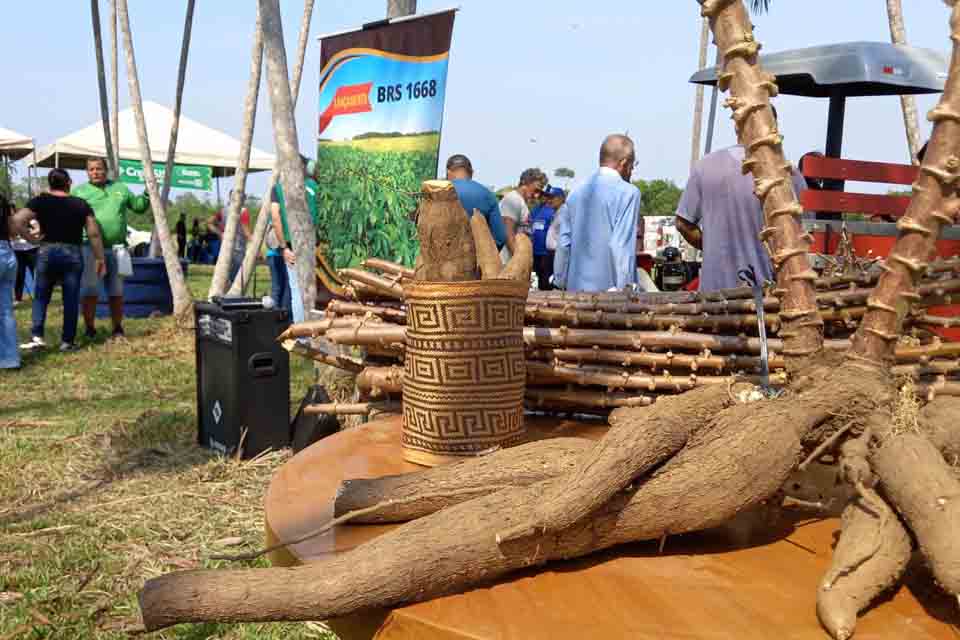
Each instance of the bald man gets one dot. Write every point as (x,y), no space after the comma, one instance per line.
(597,245)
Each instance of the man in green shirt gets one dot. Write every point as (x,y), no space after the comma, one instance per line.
(110,202)
(278,215)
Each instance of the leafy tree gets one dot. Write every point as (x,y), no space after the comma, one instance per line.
(659,197)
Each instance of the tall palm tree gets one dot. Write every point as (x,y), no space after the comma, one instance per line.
(698,101)
(102,85)
(115,88)
(302,232)
(397,8)
(222,270)
(155,246)
(178,103)
(263,220)
(182,300)
(898,35)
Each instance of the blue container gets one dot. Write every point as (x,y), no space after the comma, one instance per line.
(146,293)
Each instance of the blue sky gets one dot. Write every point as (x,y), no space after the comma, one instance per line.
(530,84)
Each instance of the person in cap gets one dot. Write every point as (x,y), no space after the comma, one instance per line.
(597,246)
(476,197)
(541,220)
(515,210)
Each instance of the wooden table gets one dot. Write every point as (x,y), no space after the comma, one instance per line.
(726,584)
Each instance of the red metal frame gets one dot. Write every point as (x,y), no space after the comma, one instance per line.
(858,171)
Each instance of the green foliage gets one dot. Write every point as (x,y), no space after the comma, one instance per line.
(366,202)
(659,197)
(564,172)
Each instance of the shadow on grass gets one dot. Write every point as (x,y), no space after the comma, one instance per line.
(156,442)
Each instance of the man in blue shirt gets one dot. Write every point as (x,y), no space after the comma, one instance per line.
(474,195)
(540,221)
(597,247)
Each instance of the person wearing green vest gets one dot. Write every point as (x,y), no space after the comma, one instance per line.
(278,216)
(110,202)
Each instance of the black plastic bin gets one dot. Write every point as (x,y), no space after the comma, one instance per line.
(243,377)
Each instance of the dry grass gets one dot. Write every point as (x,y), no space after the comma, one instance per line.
(102,486)
(906,408)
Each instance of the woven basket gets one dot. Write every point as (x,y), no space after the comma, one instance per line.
(464,368)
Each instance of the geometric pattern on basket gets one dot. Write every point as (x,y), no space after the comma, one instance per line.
(464,368)
(462,432)
(466,316)
(475,370)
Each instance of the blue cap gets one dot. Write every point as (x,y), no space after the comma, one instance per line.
(554,192)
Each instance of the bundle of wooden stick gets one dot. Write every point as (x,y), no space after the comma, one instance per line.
(590,353)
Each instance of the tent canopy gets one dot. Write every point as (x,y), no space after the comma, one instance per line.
(14,145)
(197,144)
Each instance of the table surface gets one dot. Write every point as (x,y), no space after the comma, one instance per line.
(742,582)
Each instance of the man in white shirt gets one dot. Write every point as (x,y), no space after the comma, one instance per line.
(514,207)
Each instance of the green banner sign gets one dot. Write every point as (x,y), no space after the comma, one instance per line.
(185,176)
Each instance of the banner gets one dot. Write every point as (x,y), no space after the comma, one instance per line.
(382,94)
(185,176)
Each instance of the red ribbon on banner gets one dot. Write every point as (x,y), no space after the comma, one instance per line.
(354,98)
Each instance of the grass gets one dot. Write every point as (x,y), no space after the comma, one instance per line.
(102,485)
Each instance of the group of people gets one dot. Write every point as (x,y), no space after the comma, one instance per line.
(511,215)
(588,241)
(80,237)
(206,242)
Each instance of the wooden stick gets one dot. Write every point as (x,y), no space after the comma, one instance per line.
(392,314)
(389,268)
(547,398)
(539,373)
(382,285)
(326,357)
(379,381)
(338,409)
(535,337)
(387,336)
(930,368)
(655,361)
(317,328)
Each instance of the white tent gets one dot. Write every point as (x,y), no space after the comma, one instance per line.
(13,145)
(197,144)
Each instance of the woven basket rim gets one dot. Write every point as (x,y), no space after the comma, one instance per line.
(465,289)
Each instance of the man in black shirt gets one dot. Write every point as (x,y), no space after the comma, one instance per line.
(63,219)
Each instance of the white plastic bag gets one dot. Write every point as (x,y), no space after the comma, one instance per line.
(124,261)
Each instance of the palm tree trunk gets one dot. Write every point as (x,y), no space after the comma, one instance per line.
(898,35)
(397,8)
(222,270)
(155,246)
(933,206)
(263,220)
(182,301)
(177,105)
(302,232)
(698,102)
(115,82)
(102,84)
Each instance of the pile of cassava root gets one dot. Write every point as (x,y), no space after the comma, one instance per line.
(689,461)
